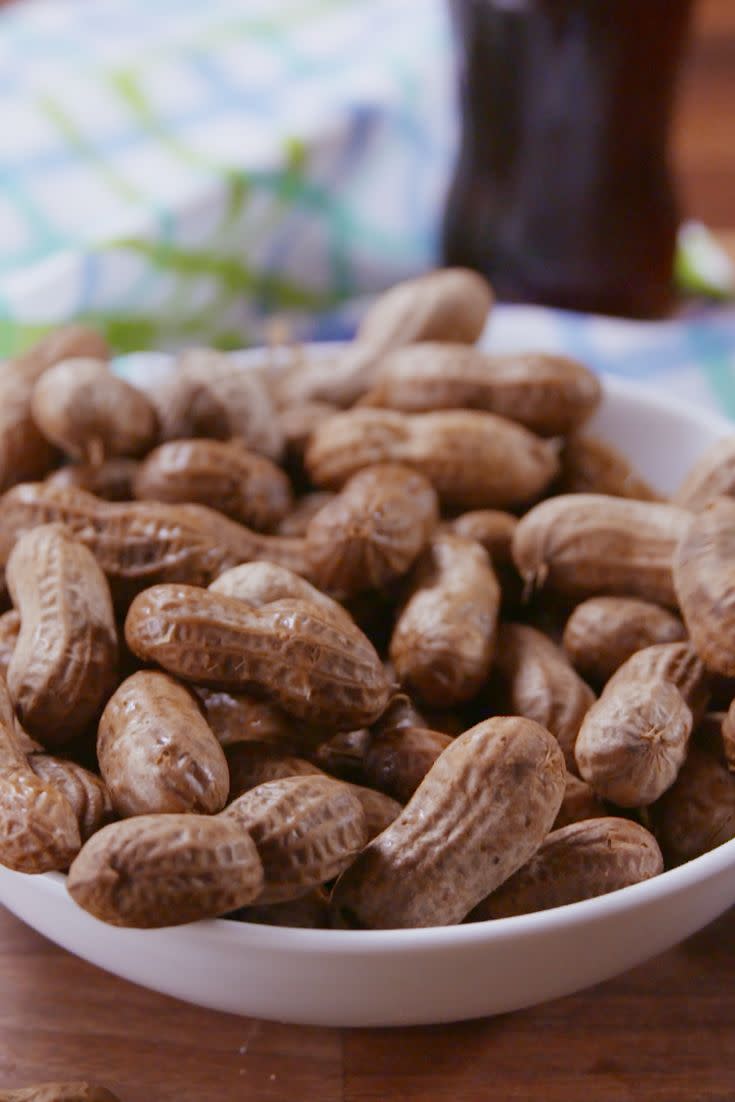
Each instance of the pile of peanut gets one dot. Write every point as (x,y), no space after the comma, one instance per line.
(372,639)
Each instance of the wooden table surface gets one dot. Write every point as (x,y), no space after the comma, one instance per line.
(662,1033)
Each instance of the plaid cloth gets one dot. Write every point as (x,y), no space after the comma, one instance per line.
(178,171)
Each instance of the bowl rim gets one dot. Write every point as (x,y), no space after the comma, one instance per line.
(667,883)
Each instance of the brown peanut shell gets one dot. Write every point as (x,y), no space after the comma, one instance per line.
(537,681)
(633,742)
(604,632)
(480,813)
(91,414)
(288,651)
(156,751)
(307,830)
(64,662)
(580,802)
(587,545)
(550,395)
(473,460)
(577,862)
(444,639)
(111,480)
(592,466)
(674,662)
(59,1092)
(396,761)
(261,583)
(698,811)
(224,476)
(86,792)
(712,476)
(9,631)
(373,531)
(704,576)
(166,870)
(296,522)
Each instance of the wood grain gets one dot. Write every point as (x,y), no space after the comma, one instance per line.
(663,1033)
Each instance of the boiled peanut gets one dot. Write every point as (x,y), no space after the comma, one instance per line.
(538,682)
(207,394)
(9,631)
(65,658)
(591,466)
(447,305)
(579,803)
(589,544)
(136,544)
(156,752)
(704,576)
(373,531)
(254,763)
(262,583)
(698,811)
(473,460)
(551,395)
(481,812)
(297,521)
(87,794)
(244,486)
(379,809)
(59,1092)
(396,761)
(38,828)
(288,650)
(91,414)
(603,632)
(674,662)
(633,742)
(711,477)
(444,638)
(166,870)
(576,862)
(306,829)
(111,480)
(24,451)
(493,529)
(66,342)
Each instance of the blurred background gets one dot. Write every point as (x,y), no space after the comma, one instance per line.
(223,173)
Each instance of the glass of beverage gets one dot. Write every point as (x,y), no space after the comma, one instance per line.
(563,191)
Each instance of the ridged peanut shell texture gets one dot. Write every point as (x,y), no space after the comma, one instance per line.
(373,531)
(551,395)
(451,304)
(677,663)
(397,761)
(156,752)
(85,791)
(704,574)
(207,394)
(586,545)
(473,460)
(59,1092)
(91,414)
(65,659)
(444,638)
(603,632)
(537,682)
(111,480)
(166,870)
(307,830)
(243,485)
(633,742)
(39,831)
(289,651)
(579,861)
(479,814)
(262,583)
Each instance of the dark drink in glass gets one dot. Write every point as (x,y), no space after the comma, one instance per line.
(563,192)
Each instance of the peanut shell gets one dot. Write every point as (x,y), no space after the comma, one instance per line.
(604,632)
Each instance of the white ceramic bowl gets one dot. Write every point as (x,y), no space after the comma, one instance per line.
(405,977)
